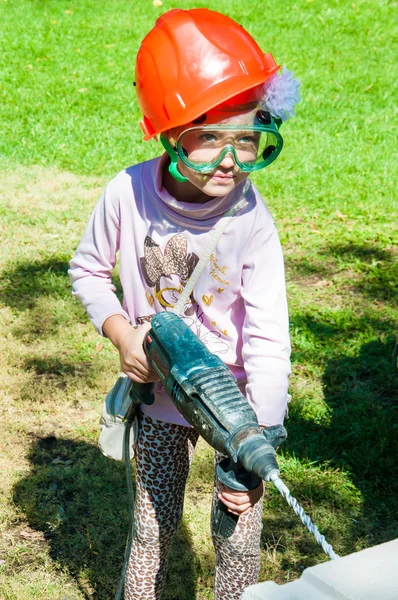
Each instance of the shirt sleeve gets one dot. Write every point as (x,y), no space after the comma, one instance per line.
(266,345)
(95,258)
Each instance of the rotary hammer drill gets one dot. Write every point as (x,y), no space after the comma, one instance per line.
(207,395)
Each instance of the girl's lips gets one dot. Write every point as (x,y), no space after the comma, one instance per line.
(222,176)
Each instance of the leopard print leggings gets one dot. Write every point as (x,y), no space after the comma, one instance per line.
(163,457)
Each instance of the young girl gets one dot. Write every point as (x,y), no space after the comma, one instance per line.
(216,102)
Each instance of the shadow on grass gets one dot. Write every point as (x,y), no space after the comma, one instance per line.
(357,432)
(355,502)
(54,373)
(361,438)
(42,292)
(55,367)
(23,285)
(378,266)
(360,379)
(78,499)
(375,269)
(365,253)
(52,376)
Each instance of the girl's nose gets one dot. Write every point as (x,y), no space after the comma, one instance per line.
(228,161)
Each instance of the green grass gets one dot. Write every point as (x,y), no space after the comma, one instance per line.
(68,120)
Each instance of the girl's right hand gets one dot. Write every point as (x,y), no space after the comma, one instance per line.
(129,342)
(133,360)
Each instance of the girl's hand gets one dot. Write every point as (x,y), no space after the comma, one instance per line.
(129,341)
(239,503)
(133,360)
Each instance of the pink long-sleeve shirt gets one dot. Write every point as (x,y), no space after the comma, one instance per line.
(239,309)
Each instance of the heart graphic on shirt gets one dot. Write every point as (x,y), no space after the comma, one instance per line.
(225,332)
(150,298)
(220,290)
(207,299)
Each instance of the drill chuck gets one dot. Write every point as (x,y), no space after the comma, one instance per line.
(258,456)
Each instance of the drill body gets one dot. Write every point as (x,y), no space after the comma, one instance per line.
(207,395)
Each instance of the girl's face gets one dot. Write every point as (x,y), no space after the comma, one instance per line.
(220,181)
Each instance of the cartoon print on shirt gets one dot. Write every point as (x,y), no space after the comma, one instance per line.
(193,317)
(177,265)
(175,260)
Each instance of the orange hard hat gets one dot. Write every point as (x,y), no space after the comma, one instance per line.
(190,62)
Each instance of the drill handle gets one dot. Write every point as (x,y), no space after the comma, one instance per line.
(234,476)
(140,393)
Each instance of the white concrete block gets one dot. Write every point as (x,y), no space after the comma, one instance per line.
(371,574)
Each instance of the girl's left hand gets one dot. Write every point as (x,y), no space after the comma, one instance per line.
(239,503)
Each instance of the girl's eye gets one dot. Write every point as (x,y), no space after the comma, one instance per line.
(208,137)
(247,139)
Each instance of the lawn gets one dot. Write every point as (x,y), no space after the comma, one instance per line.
(68,123)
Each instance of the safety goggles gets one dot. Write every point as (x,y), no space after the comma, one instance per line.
(253,147)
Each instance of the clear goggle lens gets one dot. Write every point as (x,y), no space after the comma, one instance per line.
(253,147)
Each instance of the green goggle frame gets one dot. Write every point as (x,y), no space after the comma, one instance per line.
(177,152)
